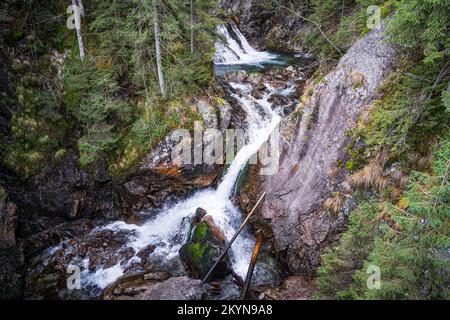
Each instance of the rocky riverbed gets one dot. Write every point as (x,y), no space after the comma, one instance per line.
(81,204)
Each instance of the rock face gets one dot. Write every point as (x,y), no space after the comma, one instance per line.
(308,168)
(204,246)
(66,201)
(151,183)
(129,286)
(267,25)
(50,204)
(177,288)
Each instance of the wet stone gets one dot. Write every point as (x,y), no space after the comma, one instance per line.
(204,246)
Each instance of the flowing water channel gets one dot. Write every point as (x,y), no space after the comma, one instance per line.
(169,228)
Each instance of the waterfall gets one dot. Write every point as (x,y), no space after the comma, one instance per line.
(169,229)
(237,50)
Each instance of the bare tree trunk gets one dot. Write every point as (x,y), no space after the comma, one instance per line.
(158,47)
(78,10)
(192,26)
(80,4)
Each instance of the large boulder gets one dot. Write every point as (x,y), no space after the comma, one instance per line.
(208,113)
(204,246)
(177,288)
(129,286)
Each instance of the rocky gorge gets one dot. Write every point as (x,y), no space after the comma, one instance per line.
(154,231)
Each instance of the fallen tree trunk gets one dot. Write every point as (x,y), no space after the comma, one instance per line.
(251,266)
(234,238)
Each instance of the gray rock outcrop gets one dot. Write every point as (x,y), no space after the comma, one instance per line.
(177,288)
(308,170)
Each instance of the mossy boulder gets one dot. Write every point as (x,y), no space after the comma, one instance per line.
(203,248)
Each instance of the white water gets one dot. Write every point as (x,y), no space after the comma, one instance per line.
(238,52)
(169,229)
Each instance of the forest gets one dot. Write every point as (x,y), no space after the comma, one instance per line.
(106,82)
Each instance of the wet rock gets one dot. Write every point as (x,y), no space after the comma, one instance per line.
(151,187)
(236,76)
(199,214)
(258,92)
(131,285)
(278,83)
(157,178)
(216,231)
(47,272)
(36,243)
(226,289)
(254,78)
(144,253)
(177,288)
(47,276)
(279,100)
(203,248)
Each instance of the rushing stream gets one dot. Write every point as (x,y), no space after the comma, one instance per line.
(169,227)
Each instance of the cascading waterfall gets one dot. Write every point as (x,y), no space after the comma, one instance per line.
(169,229)
(238,51)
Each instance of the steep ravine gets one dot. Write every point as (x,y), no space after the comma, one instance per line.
(66,202)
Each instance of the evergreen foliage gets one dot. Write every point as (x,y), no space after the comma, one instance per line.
(407,239)
(111,97)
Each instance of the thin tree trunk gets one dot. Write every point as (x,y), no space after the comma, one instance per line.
(158,47)
(80,4)
(192,26)
(251,266)
(77,12)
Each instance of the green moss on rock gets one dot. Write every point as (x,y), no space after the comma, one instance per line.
(201,251)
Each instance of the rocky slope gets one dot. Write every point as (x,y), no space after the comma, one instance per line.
(312,153)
